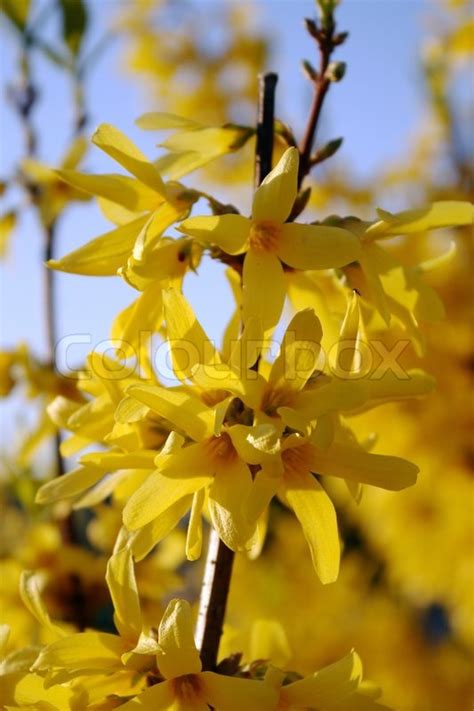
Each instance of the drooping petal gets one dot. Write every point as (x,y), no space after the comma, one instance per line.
(125,191)
(75,152)
(264,487)
(228,494)
(189,343)
(160,121)
(228,693)
(134,326)
(194,536)
(357,465)
(346,358)
(315,512)
(229,232)
(31,596)
(317,246)
(123,590)
(391,387)
(159,697)
(445,213)
(329,686)
(186,412)
(104,255)
(68,485)
(178,654)
(157,494)
(264,289)
(146,538)
(123,150)
(274,198)
(299,352)
(89,652)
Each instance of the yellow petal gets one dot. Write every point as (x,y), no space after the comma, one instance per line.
(299,352)
(228,693)
(315,512)
(346,358)
(189,344)
(30,594)
(125,191)
(355,464)
(161,218)
(228,495)
(145,539)
(317,246)
(159,121)
(122,585)
(194,536)
(71,484)
(186,412)
(389,386)
(156,495)
(89,652)
(264,487)
(75,153)
(178,654)
(124,151)
(264,288)
(159,697)
(445,213)
(328,686)
(135,325)
(229,232)
(274,198)
(7,225)
(104,255)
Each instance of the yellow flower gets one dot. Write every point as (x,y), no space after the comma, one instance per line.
(338,687)
(269,242)
(393,288)
(97,653)
(185,686)
(209,466)
(141,206)
(194,144)
(51,193)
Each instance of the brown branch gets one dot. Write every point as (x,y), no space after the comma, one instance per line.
(213,600)
(220,559)
(327,42)
(265,125)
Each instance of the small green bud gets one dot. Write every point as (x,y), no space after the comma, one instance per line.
(309,70)
(335,71)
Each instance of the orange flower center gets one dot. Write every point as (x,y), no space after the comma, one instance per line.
(221,448)
(265,236)
(188,688)
(297,459)
(273,398)
(213,397)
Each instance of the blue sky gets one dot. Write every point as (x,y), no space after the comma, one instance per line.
(375,108)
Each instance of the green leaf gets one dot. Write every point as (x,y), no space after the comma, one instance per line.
(74,14)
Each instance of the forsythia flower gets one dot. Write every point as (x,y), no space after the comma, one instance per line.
(269,242)
(185,686)
(142,206)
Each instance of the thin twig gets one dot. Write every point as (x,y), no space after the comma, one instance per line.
(220,559)
(327,41)
(265,125)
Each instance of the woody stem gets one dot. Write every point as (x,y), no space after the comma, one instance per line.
(220,559)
